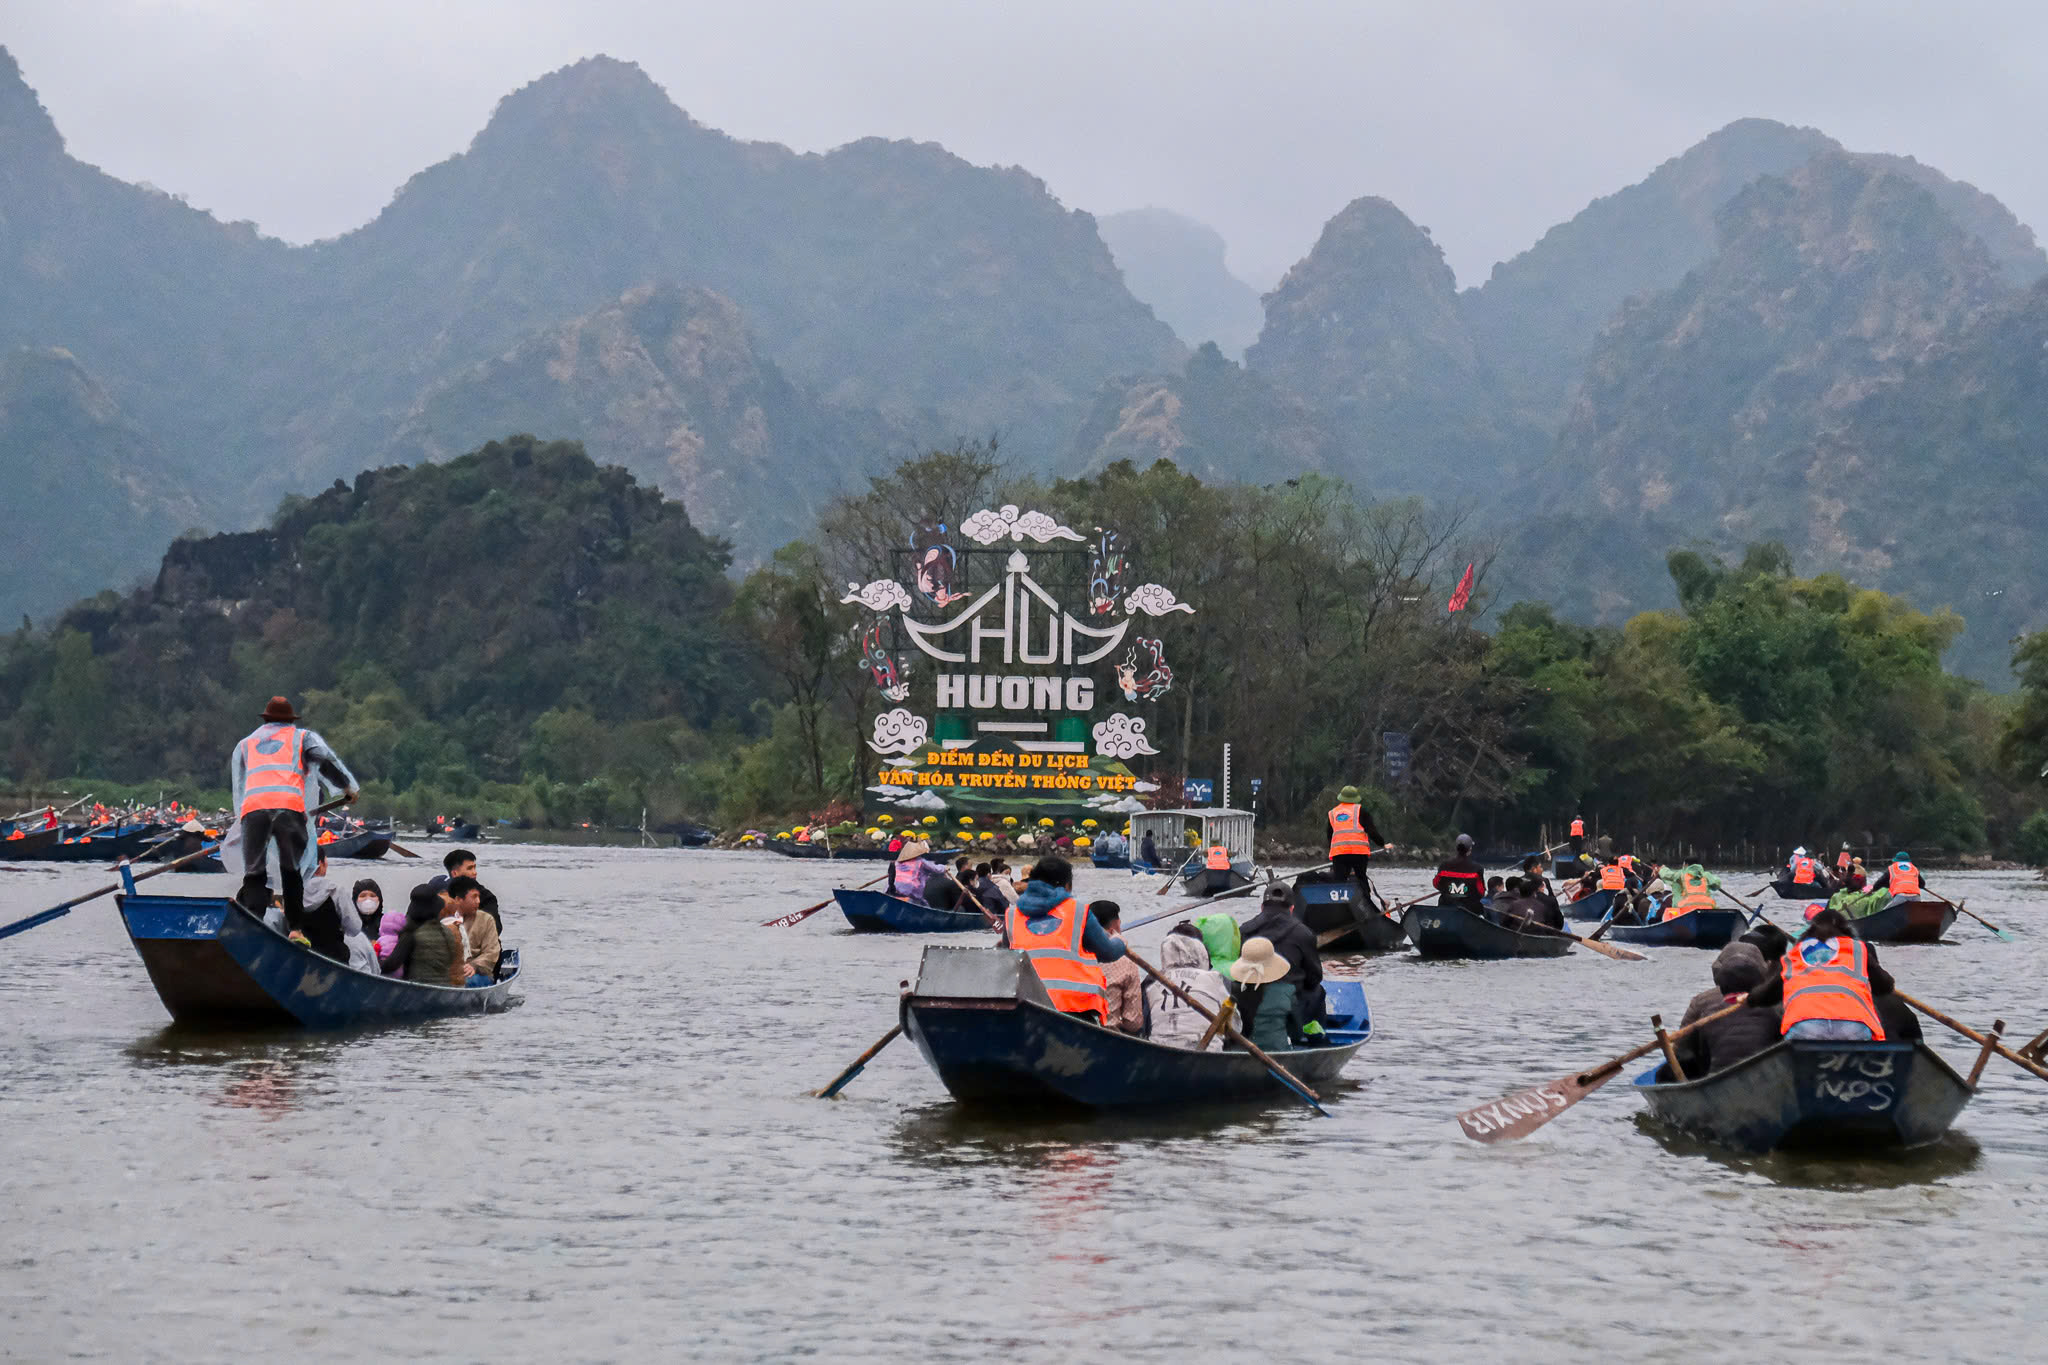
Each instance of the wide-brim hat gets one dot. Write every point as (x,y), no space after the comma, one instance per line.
(279,709)
(912,850)
(1347,793)
(1259,963)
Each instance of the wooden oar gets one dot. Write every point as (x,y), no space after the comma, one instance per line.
(1604,949)
(1176,874)
(59,911)
(1983,1040)
(840,1081)
(1958,907)
(1522,1113)
(975,900)
(1230,895)
(799,916)
(1280,1073)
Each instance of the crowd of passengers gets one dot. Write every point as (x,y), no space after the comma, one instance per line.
(447,934)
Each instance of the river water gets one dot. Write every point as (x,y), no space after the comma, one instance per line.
(629,1167)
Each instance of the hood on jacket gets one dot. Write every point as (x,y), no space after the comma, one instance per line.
(366,884)
(1179,950)
(424,906)
(1040,898)
(1740,967)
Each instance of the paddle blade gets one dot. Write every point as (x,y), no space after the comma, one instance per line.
(1522,1113)
(794,916)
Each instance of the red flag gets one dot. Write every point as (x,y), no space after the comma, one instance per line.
(1464,592)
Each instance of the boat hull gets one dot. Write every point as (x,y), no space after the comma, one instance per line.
(874,912)
(1447,932)
(987,1030)
(1906,921)
(214,963)
(1789,890)
(1589,909)
(369,844)
(96,848)
(1330,906)
(1110,862)
(1694,929)
(1833,1096)
(1211,881)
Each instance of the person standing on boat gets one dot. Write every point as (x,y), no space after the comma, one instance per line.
(1828,982)
(1460,878)
(1148,851)
(1066,945)
(268,774)
(1352,836)
(1578,835)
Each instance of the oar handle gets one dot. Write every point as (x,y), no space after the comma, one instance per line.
(1615,1064)
(1963,910)
(1280,1073)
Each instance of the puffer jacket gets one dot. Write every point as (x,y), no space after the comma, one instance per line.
(1739,967)
(1183,960)
(406,930)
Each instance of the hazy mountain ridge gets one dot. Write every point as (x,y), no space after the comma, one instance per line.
(1176,265)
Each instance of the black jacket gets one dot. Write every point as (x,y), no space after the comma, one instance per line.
(1511,910)
(1293,940)
(1721,1044)
(1464,872)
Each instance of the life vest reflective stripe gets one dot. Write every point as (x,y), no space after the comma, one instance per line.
(1072,976)
(1347,831)
(273,778)
(1578,829)
(1219,858)
(1803,871)
(1836,987)
(1693,893)
(1905,879)
(1612,878)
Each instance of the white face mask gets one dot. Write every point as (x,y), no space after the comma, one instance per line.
(368,903)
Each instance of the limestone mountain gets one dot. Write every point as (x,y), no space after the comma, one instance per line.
(1215,420)
(91,503)
(1368,328)
(1832,283)
(666,382)
(1176,265)
(1535,319)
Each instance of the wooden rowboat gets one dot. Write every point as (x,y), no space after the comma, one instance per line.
(1693,929)
(1789,890)
(212,962)
(1833,1096)
(1443,931)
(875,912)
(1330,906)
(985,1025)
(1906,921)
(107,846)
(29,844)
(368,843)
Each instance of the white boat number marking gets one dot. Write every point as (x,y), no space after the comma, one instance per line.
(1876,1096)
(1875,1065)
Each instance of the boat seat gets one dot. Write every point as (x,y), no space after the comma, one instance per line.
(1344,1006)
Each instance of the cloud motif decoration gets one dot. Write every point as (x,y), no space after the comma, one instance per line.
(899,732)
(1122,736)
(986,527)
(1154,600)
(881,595)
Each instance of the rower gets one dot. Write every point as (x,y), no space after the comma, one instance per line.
(1460,880)
(1900,877)
(1065,943)
(1829,980)
(268,774)
(1803,869)
(1842,862)
(1694,889)
(1352,833)
(1578,835)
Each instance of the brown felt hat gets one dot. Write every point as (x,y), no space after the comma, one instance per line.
(279,710)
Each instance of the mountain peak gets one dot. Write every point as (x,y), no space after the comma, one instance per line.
(598,90)
(25,126)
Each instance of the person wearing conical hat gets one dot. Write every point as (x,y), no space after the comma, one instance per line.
(269,774)
(1353,836)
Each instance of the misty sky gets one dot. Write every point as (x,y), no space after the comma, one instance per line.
(1485,120)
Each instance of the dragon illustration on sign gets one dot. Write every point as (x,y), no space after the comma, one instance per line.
(1106,565)
(1154,681)
(880,664)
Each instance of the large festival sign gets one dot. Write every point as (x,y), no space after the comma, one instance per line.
(1031,658)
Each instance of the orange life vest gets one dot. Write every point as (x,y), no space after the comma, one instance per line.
(1347,831)
(1693,894)
(1219,858)
(1905,879)
(1612,878)
(1803,871)
(1842,861)
(1836,986)
(273,778)
(1072,976)
(1578,829)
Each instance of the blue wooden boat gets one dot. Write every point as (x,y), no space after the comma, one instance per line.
(1449,931)
(29,843)
(212,962)
(1693,929)
(1789,890)
(1836,1097)
(1906,920)
(1109,861)
(1344,918)
(1591,908)
(876,912)
(366,844)
(107,846)
(985,1025)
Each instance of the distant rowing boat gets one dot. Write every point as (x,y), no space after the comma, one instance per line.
(1693,929)
(1906,921)
(1444,932)
(1834,1097)
(873,912)
(1328,907)
(1590,907)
